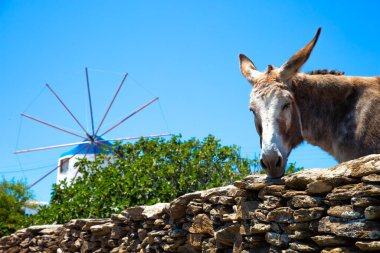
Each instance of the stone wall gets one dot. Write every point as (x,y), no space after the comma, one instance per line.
(315,210)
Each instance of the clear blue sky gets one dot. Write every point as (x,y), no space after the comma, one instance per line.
(186,52)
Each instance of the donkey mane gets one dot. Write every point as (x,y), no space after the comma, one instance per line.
(325,72)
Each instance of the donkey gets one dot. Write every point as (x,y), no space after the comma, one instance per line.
(340,114)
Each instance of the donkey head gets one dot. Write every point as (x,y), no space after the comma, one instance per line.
(272,102)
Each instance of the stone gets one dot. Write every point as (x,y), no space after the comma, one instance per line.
(222,200)
(372,213)
(347,212)
(102,229)
(304,247)
(304,201)
(319,187)
(303,215)
(364,166)
(365,201)
(299,226)
(256,182)
(300,235)
(359,228)
(372,178)
(300,180)
(245,208)
(274,190)
(202,224)
(154,211)
(281,215)
(291,193)
(368,246)
(329,240)
(178,206)
(258,228)
(279,240)
(355,190)
(340,250)
(226,235)
(195,240)
(270,202)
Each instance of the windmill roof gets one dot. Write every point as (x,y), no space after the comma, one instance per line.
(94,149)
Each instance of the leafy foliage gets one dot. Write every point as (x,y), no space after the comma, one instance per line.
(14,198)
(145,172)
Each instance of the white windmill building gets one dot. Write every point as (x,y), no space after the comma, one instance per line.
(93,141)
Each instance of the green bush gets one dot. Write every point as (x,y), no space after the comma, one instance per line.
(145,172)
(13,201)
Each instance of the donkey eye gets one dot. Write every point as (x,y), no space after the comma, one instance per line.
(285,106)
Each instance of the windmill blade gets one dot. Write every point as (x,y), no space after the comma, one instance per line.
(67,109)
(51,171)
(130,115)
(89,99)
(136,137)
(51,147)
(110,105)
(51,125)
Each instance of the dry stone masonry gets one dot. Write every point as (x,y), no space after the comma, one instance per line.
(315,210)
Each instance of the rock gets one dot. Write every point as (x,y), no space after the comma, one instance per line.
(319,187)
(301,179)
(300,235)
(178,206)
(304,247)
(359,228)
(368,246)
(281,215)
(258,228)
(364,166)
(329,240)
(372,213)
(195,240)
(102,229)
(270,202)
(227,234)
(279,240)
(356,190)
(256,182)
(274,190)
(340,250)
(302,215)
(347,212)
(155,211)
(365,201)
(372,178)
(245,208)
(304,201)
(291,193)
(202,225)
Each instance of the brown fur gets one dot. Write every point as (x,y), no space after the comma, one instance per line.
(340,114)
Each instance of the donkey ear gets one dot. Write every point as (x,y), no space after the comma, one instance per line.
(294,64)
(248,69)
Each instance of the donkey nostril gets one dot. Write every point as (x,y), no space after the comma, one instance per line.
(279,162)
(263,165)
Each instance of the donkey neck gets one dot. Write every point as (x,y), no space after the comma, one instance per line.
(326,105)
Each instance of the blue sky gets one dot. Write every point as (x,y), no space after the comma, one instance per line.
(185,52)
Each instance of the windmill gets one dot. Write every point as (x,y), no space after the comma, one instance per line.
(92,142)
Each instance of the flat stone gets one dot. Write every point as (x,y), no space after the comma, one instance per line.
(365,165)
(372,212)
(178,206)
(304,201)
(304,247)
(319,187)
(299,226)
(279,240)
(258,228)
(300,235)
(155,211)
(281,215)
(102,229)
(291,193)
(368,246)
(226,235)
(202,224)
(329,240)
(303,215)
(195,240)
(346,211)
(274,190)
(365,201)
(359,228)
(346,192)
(256,182)
(270,202)
(299,180)
(340,250)
(372,178)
